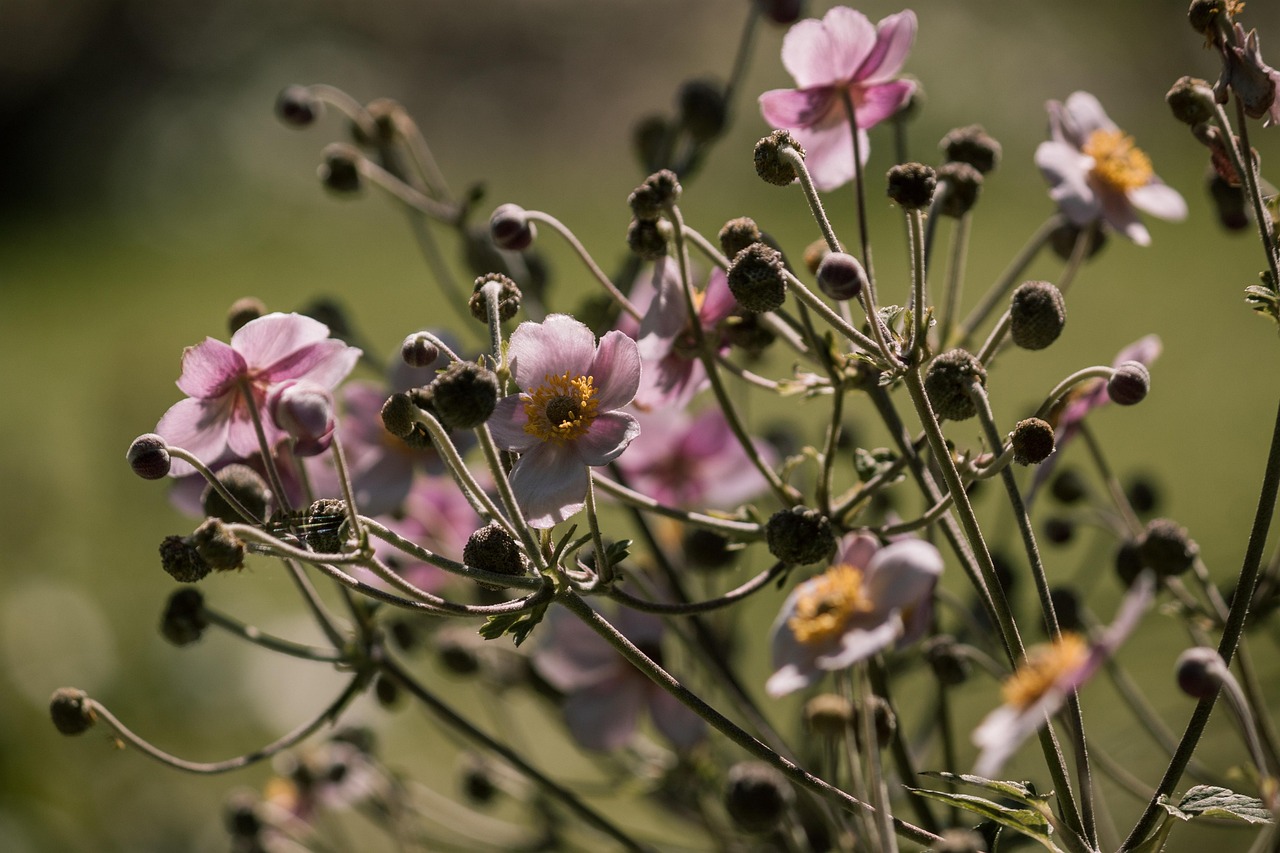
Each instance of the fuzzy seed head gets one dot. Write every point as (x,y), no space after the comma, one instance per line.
(1037,314)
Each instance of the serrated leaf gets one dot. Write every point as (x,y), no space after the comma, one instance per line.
(1029,822)
(1223,803)
(518,625)
(1020,791)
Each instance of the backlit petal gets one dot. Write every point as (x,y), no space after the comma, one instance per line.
(616,370)
(209,369)
(608,436)
(559,344)
(550,482)
(894,37)
(272,337)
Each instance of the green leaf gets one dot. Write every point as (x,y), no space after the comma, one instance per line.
(1029,822)
(870,463)
(1215,802)
(1020,791)
(518,625)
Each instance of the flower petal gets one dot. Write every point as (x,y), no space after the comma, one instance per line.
(1082,114)
(608,436)
(197,426)
(902,574)
(861,641)
(209,369)
(829,153)
(1159,199)
(616,370)
(999,735)
(717,300)
(559,344)
(325,363)
(894,37)
(507,425)
(795,108)
(857,550)
(272,337)
(879,102)
(820,53)
(550,482)
(1067,171)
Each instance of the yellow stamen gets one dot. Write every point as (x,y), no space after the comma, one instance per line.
(835,597)
(562,408)
(1117,162)
(1044,666)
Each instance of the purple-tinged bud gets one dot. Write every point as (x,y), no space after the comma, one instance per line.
(340,170)
(841,276)
(184,620)
(419,351)
(738,234)
(911,185)
(182,561)
(1037,314)
(1033,441)
(702,109)
(756,279)
(464,395)
(304,410)
(757,797)
(244,310)
(246,486)
(297,106)
(510,228)
(1200,672)
(71,712)
(1129,384)
(218,546)
(947,382)
(800,536)
(508,298)
(149,457)
(771,166)
(964,185)
(973,146)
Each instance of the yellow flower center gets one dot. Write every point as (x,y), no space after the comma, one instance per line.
(561,408)
(1044,666)
(833,598)
(1117,162)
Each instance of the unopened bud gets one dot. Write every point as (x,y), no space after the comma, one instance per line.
(738,234)
(298,106)
(1200,672)
(1033,441)
(771,166)
(841,276)
(244,310)
(971,145)
(947,384)
(829,715)
(703,110)
(1129,384)
(757,797)
(756,279)
(492,549)
(911,185)
(964,185)
(465,394)
(1037,314)
(510,228)
(304,410)
(647,238)
(419,351)
(149,457)
(800,536)
(1191,101)
(508,297)
(246,486)
(184,619)
(340,170)
(71,711)
(1166,548)
(781,12)
(181,560)
(218,546)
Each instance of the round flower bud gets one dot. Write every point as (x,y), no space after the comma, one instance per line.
(1063,240)
(1033,441)
(947,381)
(771,166)
(298,106)
(465,394)
(149,457)
(492,549)
(243,311)
(973,146)
(181,560)
(1128,562)
(419,351)
(457,651)
(1166,548)
(799,536)
(340,170)
(1066,606)
(386,691)
(304,410)
(883,721)
(1203,14)
(1191,101)
(964,184)
(510,228)
(706,549)
(217,546)
(1059,530)
(326,522)
(829,715)
(1129,384)
(949,666)
(911,185)
(782,12)
(398,415)
(1143,494)
(659,191)
(959,841)
(738,234)
(508,297)
(333,314)
(1037,314)
(756,796)
(1068,486)
(813,255)
(747,333)
(246,486)
(841,276)
(1200,672)
(702,109)
(1229,202)
(71,712)
(479,784)
(184,618)
(755,279)
(240,816)
(647,238)
(650,138)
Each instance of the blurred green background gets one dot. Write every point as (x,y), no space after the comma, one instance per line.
(146,185)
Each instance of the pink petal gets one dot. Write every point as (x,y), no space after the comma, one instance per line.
(665,313)
(861,641)
(209,369)
(1160,200)
(857,550)
(616,370)
(902,574)
(242,437)
(607,437)
(507,425)
(1067,171)
(560,344)
(1146,350)
(325,363)
(197,426)
(829,156)
(272,337)
(789,678)
(794,108)
(1082,114)
(550,482)
(717,300)
(894,37)
(1123,217)
(881,101)
(819,53)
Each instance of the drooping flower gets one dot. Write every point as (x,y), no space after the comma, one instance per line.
(1048,675)
(566,418)
(603,693)
(869,599)
(1254,82)
(842,53)
(1095,172)
(222,381)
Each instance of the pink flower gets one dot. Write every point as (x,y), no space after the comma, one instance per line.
(567,417)
(213,422)
(841,53)
(870,599)
(1255,82)
(686,461)
(604,694)
(1095,172)
(1048,676)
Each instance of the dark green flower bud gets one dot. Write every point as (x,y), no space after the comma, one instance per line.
(243,311)
(973,146)
(149,457)
(181,560)
(492,549)
(964,185)
(756,279)
(184,619)
(246,486)
(297,106)
(71,712)
(340,170)
(841,276)
(651,140)
(1143,494)
(757,797)
(332,313)
(1033,441)
(217,546)
(738,234)
(702,108)
(1166,548)
(647,238)
(829,715)
(508,298)
(947,384)
(1191,101)
(1037,314)
(911,185)
(771,166)
(465,394)
(800,536)
(510,228)
(1129,384)
(1200,672)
